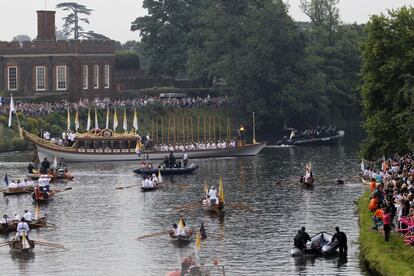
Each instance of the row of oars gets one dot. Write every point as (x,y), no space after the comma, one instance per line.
(41,243)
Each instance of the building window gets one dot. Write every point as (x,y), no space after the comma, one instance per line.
(61,77)
(85,76)
(40,78)
(106,76)
(96,76)
(12,77)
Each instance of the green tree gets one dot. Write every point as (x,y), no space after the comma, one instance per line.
(21,38)
(77,14)
(388,88)
(165,34)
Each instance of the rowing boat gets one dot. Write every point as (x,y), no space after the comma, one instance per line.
(18,191)
(16,246)
(12,225)
(181,240)
(168,171)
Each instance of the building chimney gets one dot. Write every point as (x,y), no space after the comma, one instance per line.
(46,25)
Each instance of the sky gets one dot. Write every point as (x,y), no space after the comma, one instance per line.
(113,18)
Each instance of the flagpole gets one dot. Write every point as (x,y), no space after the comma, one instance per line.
(254,129)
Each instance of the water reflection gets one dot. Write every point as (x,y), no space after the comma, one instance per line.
(99,224)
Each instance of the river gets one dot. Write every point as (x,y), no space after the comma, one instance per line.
(98,224)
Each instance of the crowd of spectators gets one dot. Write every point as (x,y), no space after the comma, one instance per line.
(392,195)
(44,108)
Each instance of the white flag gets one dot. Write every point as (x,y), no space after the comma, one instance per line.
(115,120)
(135,122)
(96,120)
(88,123)
(125,125)
(107,119)
(12,109)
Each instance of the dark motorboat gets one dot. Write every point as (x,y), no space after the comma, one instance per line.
(313,141)
(319,244)
(167,171)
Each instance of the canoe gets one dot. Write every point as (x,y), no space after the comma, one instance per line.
(319,244)
(18,191)
(17,247)
(314,141)
(168,171)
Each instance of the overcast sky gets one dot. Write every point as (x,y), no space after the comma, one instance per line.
(113,18)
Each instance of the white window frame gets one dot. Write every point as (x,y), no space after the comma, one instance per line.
(8,78)
(85,77)
(38,79)
(57,78)
(106,76)
(96,76)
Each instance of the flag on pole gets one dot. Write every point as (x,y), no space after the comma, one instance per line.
(221,190)
(12,109)
(76,120)
(115,120)
(205,188)
(55,162)
(125,125)
(96,120)
(197,245)
(68,120)
(362,165)
(107,119)
(159,176)
(88,123)
(6,180)
(37,212)
(135,122)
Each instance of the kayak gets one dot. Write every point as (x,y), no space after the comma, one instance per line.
(166,171)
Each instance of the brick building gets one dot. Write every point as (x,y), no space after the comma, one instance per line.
(73,68)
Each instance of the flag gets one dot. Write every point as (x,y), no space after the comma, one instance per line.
(362,165)
(135,122)
(159,176)
(76,120)
(292,134)
(6,180)
(205,188)
(197,245)
(115,120)
(68,120)
(107,119)
(12,109)
(55,162)
(37,212)
(221,190)
(125,125)
(25,243)
(88,123)
(96,120)
(180,227)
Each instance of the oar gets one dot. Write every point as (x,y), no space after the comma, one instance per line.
(59,191)
(4,244)
(152,235)
(125,187)
(43,225)
(49,244)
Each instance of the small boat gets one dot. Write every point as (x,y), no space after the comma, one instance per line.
(18,191)
(312,141)
(168,171)
(185,234)
(12,225)
(217,207)
(319,244)
(53,176)
(308,179)
(43,197)
(16,246)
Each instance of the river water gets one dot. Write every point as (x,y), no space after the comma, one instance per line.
(98,224)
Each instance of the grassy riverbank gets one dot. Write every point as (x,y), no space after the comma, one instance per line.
(384,258)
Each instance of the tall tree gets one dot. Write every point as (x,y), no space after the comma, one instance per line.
(388,88)
(77,14)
